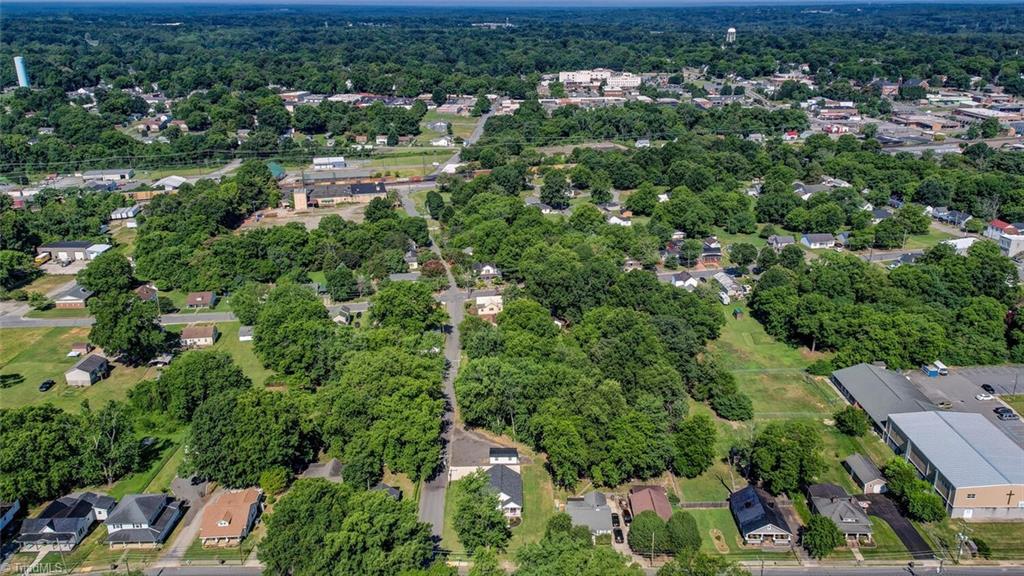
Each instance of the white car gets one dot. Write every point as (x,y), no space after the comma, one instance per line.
(983,396)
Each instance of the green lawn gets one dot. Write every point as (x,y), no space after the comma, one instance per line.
(1005,538)
(124,238)
(449,539)
(1015,402)
(721,519)
(887,544)
(405,165)
(538,505)
(922,241)
(59,313)
(47,282)
(242,353)
(462,126)
(30,355)
(140,482)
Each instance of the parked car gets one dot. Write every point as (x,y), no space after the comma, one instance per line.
(1008,416)
(627,516)
(615,520)
(988,388)
(944,405)
(46,385)
(984,396)
(1002,410)
(617,534)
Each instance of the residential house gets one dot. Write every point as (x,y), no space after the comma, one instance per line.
(229,518)
(199,336)
(590,510)
(833,502)
(805,191)
(443,141)
(685,280)
(879,392)
(412,260)
(758,518)
(777,242)
(711,252)
(643,143)
(1011,244)
(728,285)
(75,297)
(488,307)
(344,316)
(245,333)
(329,163)
(142,520)
(961,245)
(381,140)
(818,241)
(87,371)
(486,271)
(64,522)
(653,498)
(631,264)
(147,293)
(997,228)
(395,493)
(865,474)
(8,511)
(879,214)
(973,465)
(438,126)
(508,484)
(196,300)
(619,221)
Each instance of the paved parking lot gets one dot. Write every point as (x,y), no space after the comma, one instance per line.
(961,386)
(54,267)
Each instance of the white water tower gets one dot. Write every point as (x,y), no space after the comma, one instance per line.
(730,35)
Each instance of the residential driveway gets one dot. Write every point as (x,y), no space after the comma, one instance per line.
(197,499)
(961,386)
(884,508)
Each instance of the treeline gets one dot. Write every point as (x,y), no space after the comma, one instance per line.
(607,397)
(184,240)
(947,306)
(326,50)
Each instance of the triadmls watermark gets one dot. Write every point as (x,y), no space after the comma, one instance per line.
(40,568)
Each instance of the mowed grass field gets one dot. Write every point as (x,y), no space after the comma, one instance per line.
(462,126)
(30,355)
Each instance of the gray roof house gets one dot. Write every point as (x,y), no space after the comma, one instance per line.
(87,371)
(778,242)
(818,240)
(592,511)
(833,502)
(64,522)
(509,486)
(865,474)
(143,520)
(880,392)
(758,519)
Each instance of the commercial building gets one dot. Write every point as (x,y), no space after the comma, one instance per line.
(879,392)
(326,193)
(976,469)
(329,163)
(19,69)
(113,175)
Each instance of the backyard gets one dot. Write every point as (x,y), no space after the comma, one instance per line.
(30,355)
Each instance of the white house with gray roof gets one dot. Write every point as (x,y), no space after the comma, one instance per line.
(142,520)
(590,510)
(976,469)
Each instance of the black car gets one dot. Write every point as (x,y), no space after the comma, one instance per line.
(615,520)
(627,516)
(1008,416)
(46,385)
(1002,410)
(617,534)
(988,388)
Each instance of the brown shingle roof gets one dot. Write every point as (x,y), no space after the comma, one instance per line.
(643,498)
(191,332)
(226,517)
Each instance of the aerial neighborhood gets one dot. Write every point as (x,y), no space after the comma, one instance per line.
(675,291)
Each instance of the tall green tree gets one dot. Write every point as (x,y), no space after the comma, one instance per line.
(112,449)
(694,445)
(478,519)
(821,536)
(126,326)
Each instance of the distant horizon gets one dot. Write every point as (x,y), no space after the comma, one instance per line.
(512,4)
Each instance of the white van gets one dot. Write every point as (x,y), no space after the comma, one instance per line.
(943,370)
